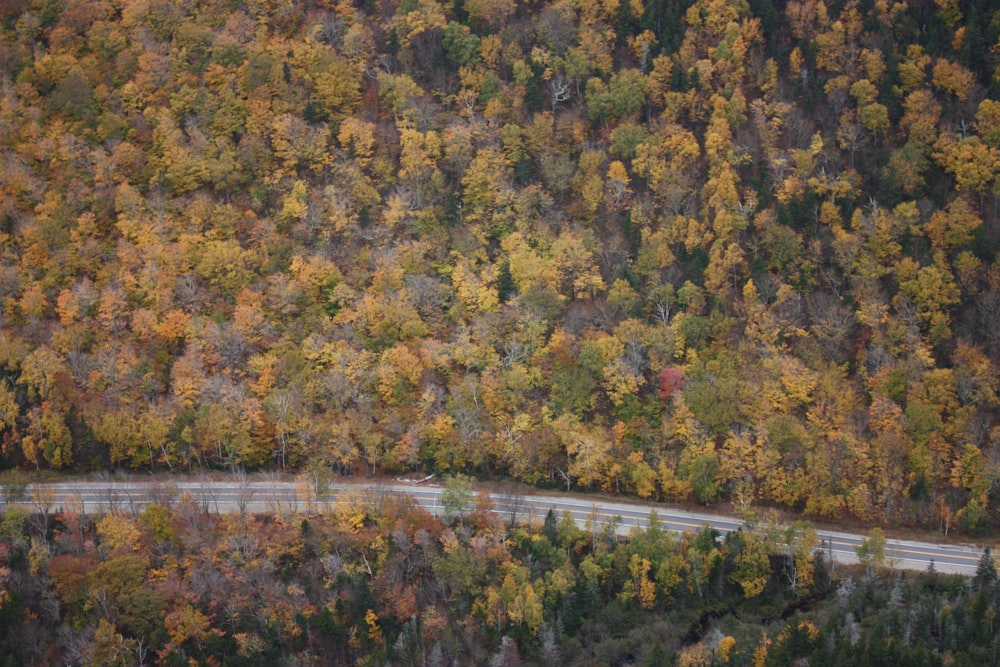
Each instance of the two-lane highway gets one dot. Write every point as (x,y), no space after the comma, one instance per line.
(278,496)
(839,547)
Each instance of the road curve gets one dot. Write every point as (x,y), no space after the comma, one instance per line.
(278,496)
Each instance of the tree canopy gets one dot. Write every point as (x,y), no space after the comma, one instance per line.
(703,249)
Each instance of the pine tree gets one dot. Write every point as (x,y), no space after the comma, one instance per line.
(986,571)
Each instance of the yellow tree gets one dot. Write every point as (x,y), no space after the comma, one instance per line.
(48,438)
(529,268)
(418,173)
(668,160)
(726,262)
(884,460)
(486,187)
(639,587)
(357,138)
(933,290)
(954,226)
(9,409)
(476,291)
(384,318)
(298,144)
(753,565)
(920,118)
(972,162)
(953,78)
(988,122)
(574,260)
(40,372)
(588,448)
(187,625)
(118,532)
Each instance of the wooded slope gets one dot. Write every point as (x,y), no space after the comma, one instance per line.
(374,580)
(710,250)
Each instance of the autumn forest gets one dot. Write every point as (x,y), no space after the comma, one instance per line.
(709,251)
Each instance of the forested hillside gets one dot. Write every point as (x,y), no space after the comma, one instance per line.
(376,581)
(709,250)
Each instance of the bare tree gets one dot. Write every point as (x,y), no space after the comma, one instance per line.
(244,490)
(42,502)
(162,493)
(512,500)
(548,645)
(560,90)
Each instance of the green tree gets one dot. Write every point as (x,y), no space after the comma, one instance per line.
(457,495)
(871,552)
(986,571)
(753,565)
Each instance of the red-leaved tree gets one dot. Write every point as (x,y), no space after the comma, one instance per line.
(671,379)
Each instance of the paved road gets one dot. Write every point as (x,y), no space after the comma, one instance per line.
(270,496)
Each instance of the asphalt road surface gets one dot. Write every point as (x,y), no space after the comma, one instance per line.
(278,496)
